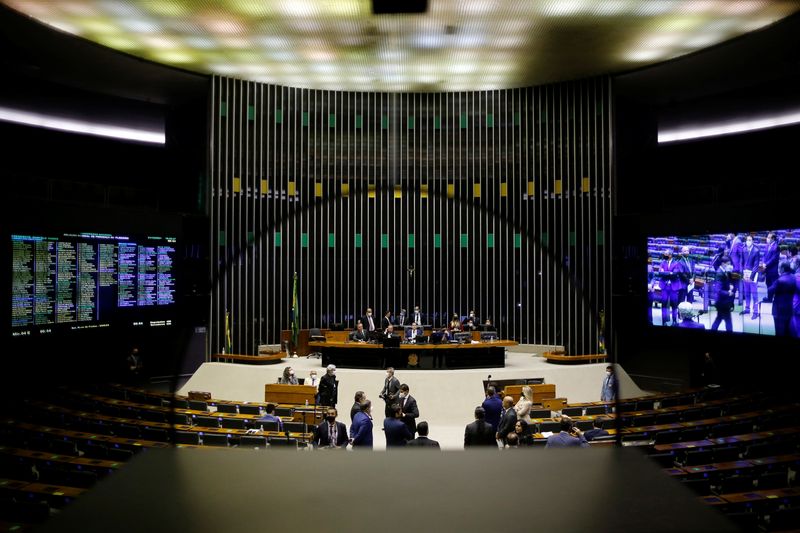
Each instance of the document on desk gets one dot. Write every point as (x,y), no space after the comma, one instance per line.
(546,434)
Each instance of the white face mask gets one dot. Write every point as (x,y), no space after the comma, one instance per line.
(313,376)
(291,372)
(369,314)
(402,395)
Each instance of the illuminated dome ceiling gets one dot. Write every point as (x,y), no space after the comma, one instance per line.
(457,45)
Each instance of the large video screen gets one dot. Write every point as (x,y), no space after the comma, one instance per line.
(74,281)
(746,282)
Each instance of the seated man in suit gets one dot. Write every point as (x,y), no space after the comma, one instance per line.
(569,436)
(389,331)
(395,430)
(330,434)
(359,334)
(597,430)
(413,332)
(423,441)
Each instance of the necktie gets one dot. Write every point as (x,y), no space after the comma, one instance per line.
(333,434)
(371,325)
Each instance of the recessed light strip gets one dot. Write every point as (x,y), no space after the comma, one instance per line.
(79,126)
(729,128)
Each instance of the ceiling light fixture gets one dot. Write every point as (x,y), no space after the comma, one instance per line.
(729,128)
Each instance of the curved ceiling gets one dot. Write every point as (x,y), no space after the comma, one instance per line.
(457,45)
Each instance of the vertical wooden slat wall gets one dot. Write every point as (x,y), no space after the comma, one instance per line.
(497,201)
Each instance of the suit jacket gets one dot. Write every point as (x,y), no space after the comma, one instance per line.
(361,431)
(411,335)
(594,432)
(479,433)
(410,414)
(356,335)
(390,388)
(724,300)
(423,442)
(750,261)
(609,390)
(771,257)
(736,253)
(401,320)
(784,288)
(322,435)
(565,440)
(375,321)
(507,422)
(494,408)
(690,324)
(670,275)
(386,322)
(354,411)
(685,271)
(419,318)
(328,390)
(396,432)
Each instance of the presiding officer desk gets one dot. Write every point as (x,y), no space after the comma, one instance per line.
(351,354)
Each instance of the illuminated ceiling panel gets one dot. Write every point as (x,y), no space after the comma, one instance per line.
(458,45)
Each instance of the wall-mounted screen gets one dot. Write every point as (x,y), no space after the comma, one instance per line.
(74,281)
(746,282)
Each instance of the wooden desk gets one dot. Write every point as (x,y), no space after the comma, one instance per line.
(262,359)
(295,394)
(413,356)
(756,495)
(303,335)
(574,359)
(717,467)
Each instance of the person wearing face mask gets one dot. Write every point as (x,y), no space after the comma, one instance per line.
(751,257)
(725,300)
(402,318)
(685,275)
(288,377)
(391,388)
(369,321)
(408,405)
(387,321)
(329,387)
(769,264)
(609,391)
(330,434)
(417,316)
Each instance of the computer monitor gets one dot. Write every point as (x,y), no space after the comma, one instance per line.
(374,335)
(436,337)
(488,335)
(485,327)
(391,342)
(462,337)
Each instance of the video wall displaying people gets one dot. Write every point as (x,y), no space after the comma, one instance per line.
(747,282)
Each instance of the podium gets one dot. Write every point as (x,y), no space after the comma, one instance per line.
(289,394)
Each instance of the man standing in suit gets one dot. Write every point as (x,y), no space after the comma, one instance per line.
(386,321)
(361,428)
(569,436)
(479,432)
(685,275)
(770,264)
(493,407)
(417,316)
(784,289)
(725,299)
(391,387)
(329,387)
(507,420)
(368,320)
(736,254)
(670,287)
(395,430)
(409,407)
(423,441)
(750,276)
(609,391)
(359,334)
(330,434)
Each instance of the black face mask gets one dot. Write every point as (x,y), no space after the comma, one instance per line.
(330,418)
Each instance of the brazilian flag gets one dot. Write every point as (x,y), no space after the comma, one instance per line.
(295,314)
